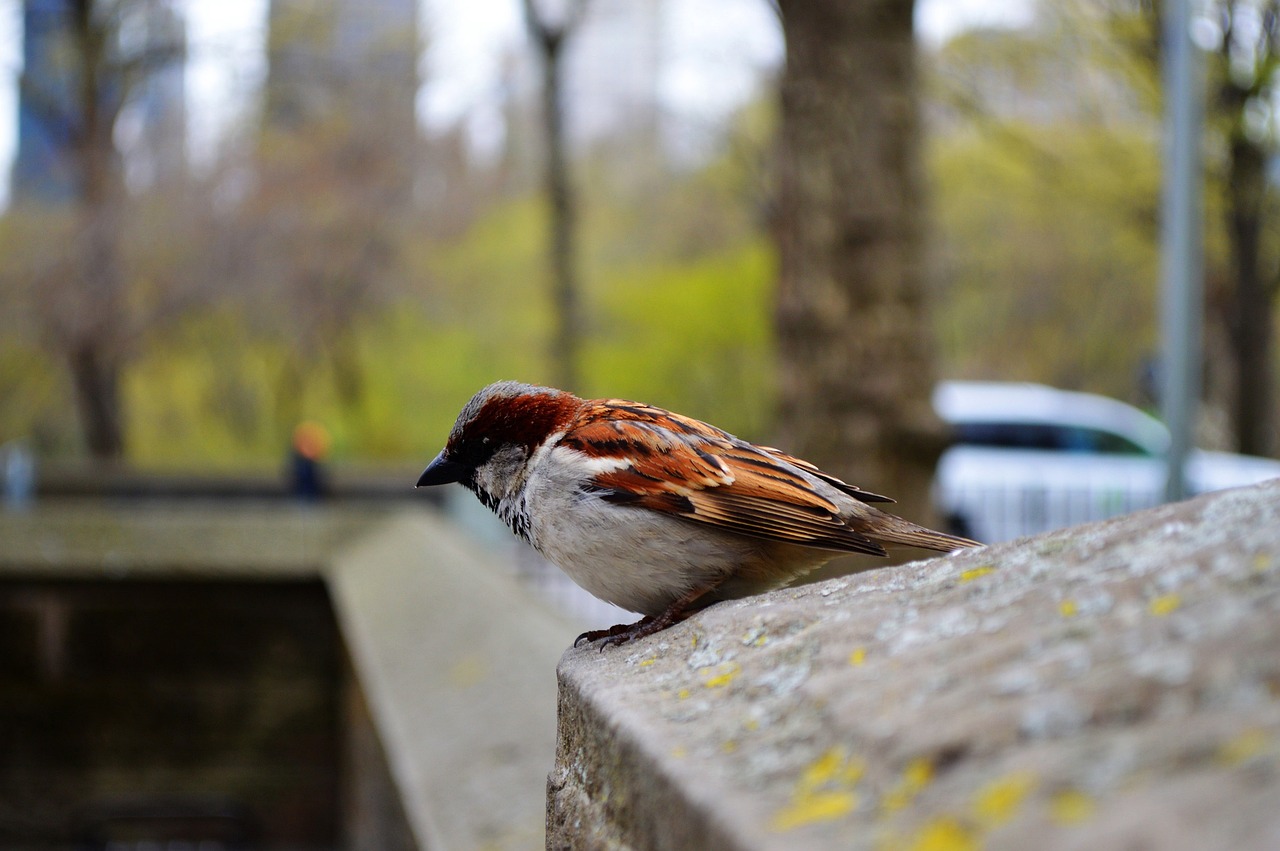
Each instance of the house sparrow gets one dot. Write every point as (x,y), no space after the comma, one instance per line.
(653,511)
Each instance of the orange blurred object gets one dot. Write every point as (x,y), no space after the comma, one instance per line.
(311,440)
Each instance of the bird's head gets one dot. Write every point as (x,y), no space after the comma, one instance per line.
(496,434)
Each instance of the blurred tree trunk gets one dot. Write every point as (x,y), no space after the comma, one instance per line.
(550,39)
(97,333)
(854,337)
(1244,72)
(91,53)
(1251,310)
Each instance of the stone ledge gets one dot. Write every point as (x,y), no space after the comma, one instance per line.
(456,662)
(453,658)
(1112,685)
(76,539)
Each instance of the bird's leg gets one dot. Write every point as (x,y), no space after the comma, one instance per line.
(617,629)
(680,609)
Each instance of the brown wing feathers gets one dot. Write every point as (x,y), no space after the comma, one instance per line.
(684,467)
(852,490)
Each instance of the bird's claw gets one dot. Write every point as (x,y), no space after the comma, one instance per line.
(619,633)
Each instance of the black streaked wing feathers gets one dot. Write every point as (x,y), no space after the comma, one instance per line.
(684,467)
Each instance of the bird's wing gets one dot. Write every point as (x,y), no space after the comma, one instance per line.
(852,490)
(681,466)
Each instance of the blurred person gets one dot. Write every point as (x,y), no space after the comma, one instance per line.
(307,479)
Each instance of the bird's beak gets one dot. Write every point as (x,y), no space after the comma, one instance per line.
(441,471)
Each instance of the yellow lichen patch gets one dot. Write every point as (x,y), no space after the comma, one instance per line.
(1000,800)
(728,746)
(1068,608)
(824,791)
(1262,562)
(1071,806)
(976,572)
(718,676)
(647,662)
(683,694)
(1164,604)
(1243,747)
(942,834)
(834,766)
(916,776)
(751,724)
(858,657)
(815,807)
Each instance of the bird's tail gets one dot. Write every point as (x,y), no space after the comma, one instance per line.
(893,530)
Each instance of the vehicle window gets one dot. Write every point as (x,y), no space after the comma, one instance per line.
(1007,435)
(1045,436)
(1115,444)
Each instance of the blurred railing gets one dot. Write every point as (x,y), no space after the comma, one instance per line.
(996,513)
(121,481)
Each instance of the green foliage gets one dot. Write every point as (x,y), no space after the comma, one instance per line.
(685,326)
(694,337)
(1044,179)
(491,282)
(1050,257)
(34,400)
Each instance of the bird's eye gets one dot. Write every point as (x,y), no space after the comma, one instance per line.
(484,441)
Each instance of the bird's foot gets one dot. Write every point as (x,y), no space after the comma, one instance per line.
(626,632)
(616,634)
(680,609)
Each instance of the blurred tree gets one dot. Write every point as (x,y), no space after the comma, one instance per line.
(333,177)
(1045,171)
(1243,137)
(551,32)
(94,62)
(854,337)
(1051,256)
(309,274)
(1046,157)
(1246,75)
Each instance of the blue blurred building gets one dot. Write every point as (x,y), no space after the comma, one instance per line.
(43,169)
(50,125)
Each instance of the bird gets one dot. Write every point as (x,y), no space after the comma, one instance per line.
(653,511)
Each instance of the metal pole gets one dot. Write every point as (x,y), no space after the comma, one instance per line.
(1182,283)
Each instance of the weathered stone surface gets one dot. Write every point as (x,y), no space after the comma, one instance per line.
(102,606)
(1109,686)
(456,662)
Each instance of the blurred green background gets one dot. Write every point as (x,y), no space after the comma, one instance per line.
(335,254)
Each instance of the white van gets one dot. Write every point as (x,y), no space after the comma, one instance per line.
(1029,458)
